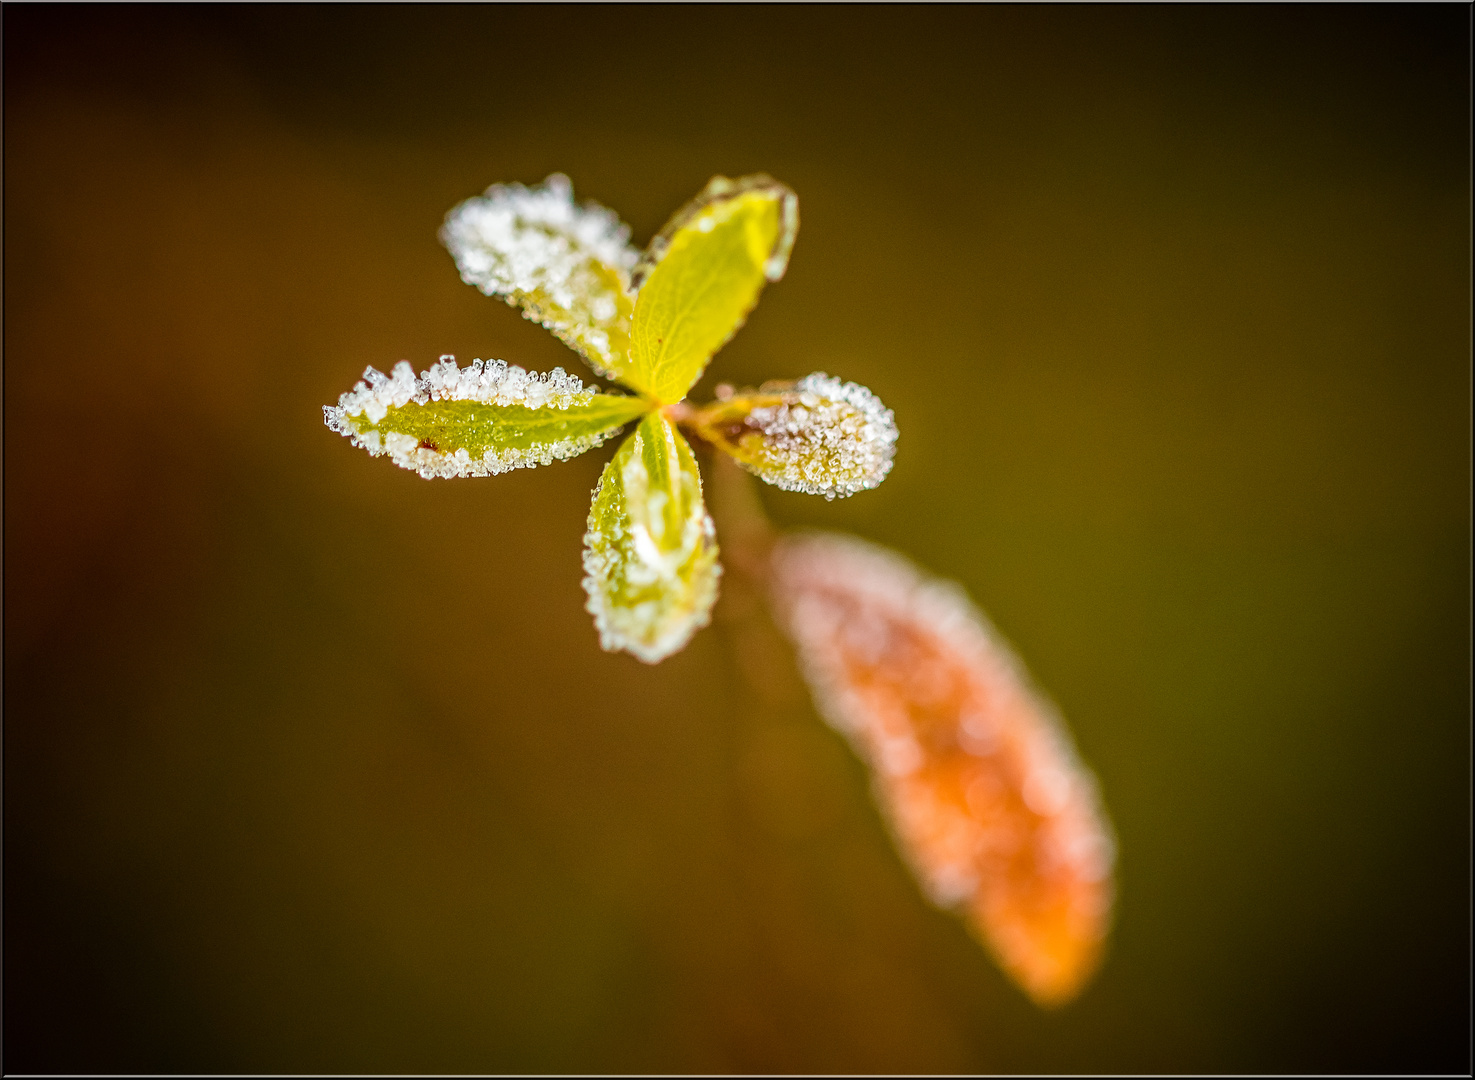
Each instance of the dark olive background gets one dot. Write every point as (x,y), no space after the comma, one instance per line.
(313,765)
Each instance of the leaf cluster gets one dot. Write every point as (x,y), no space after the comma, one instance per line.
(975,772)
(649,321)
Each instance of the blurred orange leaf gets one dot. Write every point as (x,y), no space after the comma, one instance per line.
(972,767)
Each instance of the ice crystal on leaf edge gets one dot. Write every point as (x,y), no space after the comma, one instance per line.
(818,436)
(529,419)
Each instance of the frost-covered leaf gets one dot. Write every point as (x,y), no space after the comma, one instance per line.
(478,421)
(702,275)
(650,555)
(566,265)
(973,768)
(820,436)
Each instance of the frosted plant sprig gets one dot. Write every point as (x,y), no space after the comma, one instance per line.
(649,321)
(971,766)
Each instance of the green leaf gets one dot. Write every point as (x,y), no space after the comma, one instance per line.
(484,420)
(702,275)
(650,555)
(819,435)
(566,266)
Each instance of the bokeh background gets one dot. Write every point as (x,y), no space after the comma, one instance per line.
(313,765)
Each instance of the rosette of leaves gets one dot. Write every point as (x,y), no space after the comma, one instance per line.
(649,321)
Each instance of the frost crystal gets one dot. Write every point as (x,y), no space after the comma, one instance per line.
(493,383)
(974,770)
(566,265)
(819,436)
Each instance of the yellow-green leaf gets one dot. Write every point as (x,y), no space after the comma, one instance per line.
(485,419)
(818,435)
(567,266)
(702,275)
(650,555)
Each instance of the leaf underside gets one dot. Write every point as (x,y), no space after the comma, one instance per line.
(650,553)
(701,277)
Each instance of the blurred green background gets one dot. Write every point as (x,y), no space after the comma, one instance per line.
(313,765)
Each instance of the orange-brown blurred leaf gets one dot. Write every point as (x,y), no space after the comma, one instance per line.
(975,772)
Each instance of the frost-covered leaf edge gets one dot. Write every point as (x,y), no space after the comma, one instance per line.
(492,382)
(528,262)
(619,625)
(833,411)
